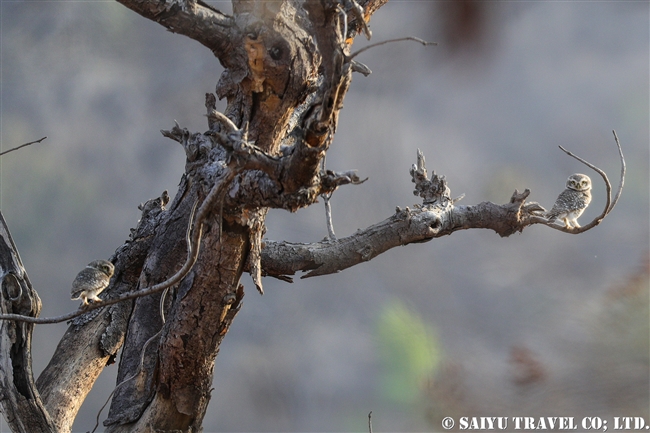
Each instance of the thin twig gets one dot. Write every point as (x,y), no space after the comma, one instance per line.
(328,216)
(609,205)
(357,12)
(408,38)
(620,187)
(136,374)
(345,21)
(608,185)
(146,344)
(217,192)
(370,422)
(21,146)
(216,195)
(191,259)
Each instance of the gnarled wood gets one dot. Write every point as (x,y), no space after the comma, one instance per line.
(93,339)
(287,71)
(191,18)
(20,401)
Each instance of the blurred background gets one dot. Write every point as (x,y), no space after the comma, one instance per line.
(539,324)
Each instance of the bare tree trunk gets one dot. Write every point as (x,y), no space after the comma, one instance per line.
(21,404)
(287,71)
(271,68)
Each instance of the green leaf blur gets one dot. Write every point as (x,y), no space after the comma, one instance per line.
(408,351)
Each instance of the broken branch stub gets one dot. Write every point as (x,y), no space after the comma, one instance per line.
(437,216)
(433,191)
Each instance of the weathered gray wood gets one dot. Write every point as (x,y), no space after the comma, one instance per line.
(287,71)
(191,18)
(20,401)
(437,216)
(166,253)
(270,70)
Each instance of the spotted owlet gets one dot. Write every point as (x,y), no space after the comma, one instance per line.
(92,280)
(572,201)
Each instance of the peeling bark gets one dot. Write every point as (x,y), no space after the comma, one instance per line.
(406,226)
(20,401)
(287,71)
(93,340)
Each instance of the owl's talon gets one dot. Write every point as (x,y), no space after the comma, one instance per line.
(91,281)
(571,202)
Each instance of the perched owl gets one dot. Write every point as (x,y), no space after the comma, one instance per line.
(92,280)
(572,201)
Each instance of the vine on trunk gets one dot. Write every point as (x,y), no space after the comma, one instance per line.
(288,68)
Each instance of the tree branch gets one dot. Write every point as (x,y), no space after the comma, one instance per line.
(282,259)
(436,217)
(388,41)
(207,206)
(609,204)
(272,67)
(20,401)
(194,19)
(357,23)
(21,146)
(244,157)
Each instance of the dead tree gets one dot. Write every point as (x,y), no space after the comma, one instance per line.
(176,289)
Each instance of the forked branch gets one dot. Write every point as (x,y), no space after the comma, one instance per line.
(437,216)
(191,18)
(209,204)
(20,401)
(609,203)
(388,41)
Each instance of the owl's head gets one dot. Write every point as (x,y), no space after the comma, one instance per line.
(104,266)
(579,182)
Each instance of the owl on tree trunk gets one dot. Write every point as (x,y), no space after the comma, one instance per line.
(92,280)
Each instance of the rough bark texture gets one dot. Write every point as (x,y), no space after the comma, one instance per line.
(20,401)
(93,340)
(435,218)
(270,70)
(287,70)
